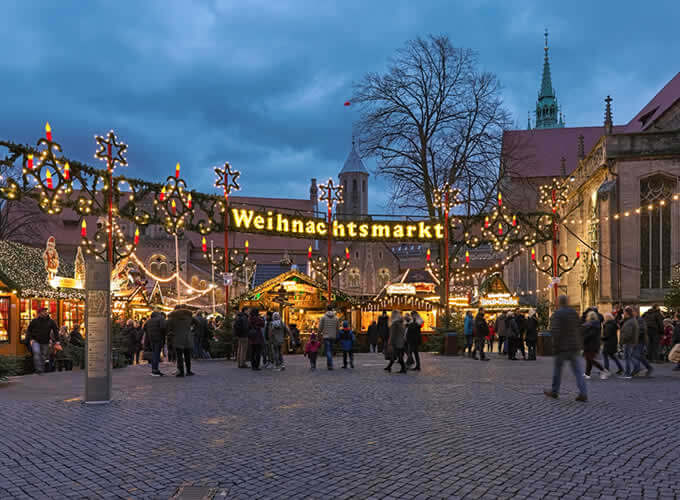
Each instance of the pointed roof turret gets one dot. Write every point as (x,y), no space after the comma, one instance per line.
(353,162)
(546,82)
(547,109)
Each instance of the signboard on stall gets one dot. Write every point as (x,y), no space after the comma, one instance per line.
(499,300)
(401,289)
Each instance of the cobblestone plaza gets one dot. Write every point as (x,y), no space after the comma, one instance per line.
(458,429)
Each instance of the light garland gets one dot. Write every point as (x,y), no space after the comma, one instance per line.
(168,279)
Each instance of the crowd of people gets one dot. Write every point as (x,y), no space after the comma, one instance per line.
(49,344)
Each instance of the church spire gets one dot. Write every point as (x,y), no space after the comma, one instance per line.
(546,106)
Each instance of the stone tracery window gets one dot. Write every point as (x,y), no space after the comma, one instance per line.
(383,277)
(354,278)
(655,231)
(158,265)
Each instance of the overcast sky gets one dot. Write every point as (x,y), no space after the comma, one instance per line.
(262,83)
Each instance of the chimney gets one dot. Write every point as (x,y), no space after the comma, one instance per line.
(581,148)
(608,124)
(563,166)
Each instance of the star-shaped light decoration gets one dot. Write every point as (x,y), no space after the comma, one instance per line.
(106,152)
(227,178)
(330,193)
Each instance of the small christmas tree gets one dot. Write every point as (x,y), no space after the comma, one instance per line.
(222,341)
(672,299)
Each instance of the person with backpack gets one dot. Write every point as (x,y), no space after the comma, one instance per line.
(346,338)
(241,329)
(277,333)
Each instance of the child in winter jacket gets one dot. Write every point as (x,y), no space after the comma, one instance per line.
(312,350)
(347,339)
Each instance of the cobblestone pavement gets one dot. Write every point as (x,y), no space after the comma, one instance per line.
(458,429)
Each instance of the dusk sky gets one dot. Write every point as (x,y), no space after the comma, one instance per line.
(262,83)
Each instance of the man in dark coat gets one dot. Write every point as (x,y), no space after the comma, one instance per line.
(567,343)
(180,322)
(481,332)
(384,329)
(372,334)
(154,330)
(654,320)
(532,334)
(41,331)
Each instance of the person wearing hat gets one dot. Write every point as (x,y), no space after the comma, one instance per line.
(347,339)
(41,331)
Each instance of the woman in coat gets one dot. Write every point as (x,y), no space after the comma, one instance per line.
(396,341)
(610,342)
(414,338)
(179,326)
(591,344)
(372,334)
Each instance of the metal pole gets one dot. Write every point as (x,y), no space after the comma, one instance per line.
(212,274)
(330,264)
(226,240)
(179,297)
(554,251)
(446,251)
(110,193)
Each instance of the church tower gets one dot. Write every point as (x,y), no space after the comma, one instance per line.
(354,180)
(548,114)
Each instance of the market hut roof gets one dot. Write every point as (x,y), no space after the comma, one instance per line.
(493,284)
(22,269)
(292,275)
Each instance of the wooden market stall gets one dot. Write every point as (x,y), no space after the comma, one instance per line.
(31,278)
(494,296)
(300,299)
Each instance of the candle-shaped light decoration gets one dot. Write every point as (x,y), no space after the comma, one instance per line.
(177,171)
(500,199)
(486,222)
(578,253)
(467,257)
(500,229)
(514,221)
(136,236)
(309,252)
(162,196)
(189,202)
(173,206)
(29,163)
(83,229)
(204,245)
(48,131)
(428,255)
(247,245)
(533,254)
(67,171)
(48,179)
(347,253)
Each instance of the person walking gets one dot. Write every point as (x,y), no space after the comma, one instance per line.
(564,329)
(630,331)
(481,332)
(154,331)
(666,339)
(41,331)
(654,321)
(610,342)
(179,325)
(676,337)
(384,331)
(396,341)
(312,350)
(277,334)
(468,331)
(532,334)
(267,347)
(347,338)
(414,338)
(328,330)
(642,344)
(591,345)
(501,329)
(372,335)
(129,333)
(521,330)
(255,338)
(241,329)
(512,333)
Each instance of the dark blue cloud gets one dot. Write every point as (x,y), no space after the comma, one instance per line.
(262,83)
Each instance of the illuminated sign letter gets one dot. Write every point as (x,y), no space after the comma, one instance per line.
(282,224)
(352,229)
(380,231)
(411,231)
(298,226)
(321,228)
(258,222)
(242,217)
(270,221)
(309,227)
(439,231)
(363,230)
(424,231)
(338,229)
(398,231)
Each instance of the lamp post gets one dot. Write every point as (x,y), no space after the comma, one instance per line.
(446,198)
(237,260)
(331,194)
(227,178)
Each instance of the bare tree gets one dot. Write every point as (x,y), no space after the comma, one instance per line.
(434,117)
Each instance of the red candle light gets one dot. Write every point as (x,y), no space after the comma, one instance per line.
(29,163)
(83,229)
(486,222)
(48,179)
(500,199)
(533,254)
(67,171)
(514,220)
(500,229)
(48,131)
(247,245)
(177,171)
(578,253)
(204,245)
(428,255)
(309,252)
(189,203)
(467,257)
(347,253)
(162,196)
(174,208)
(136,236)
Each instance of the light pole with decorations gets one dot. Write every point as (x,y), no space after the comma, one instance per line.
(226,178)
(332,195)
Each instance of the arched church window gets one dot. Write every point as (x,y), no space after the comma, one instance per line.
(655,231)
(354,278)
(383,277)
(158,265)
